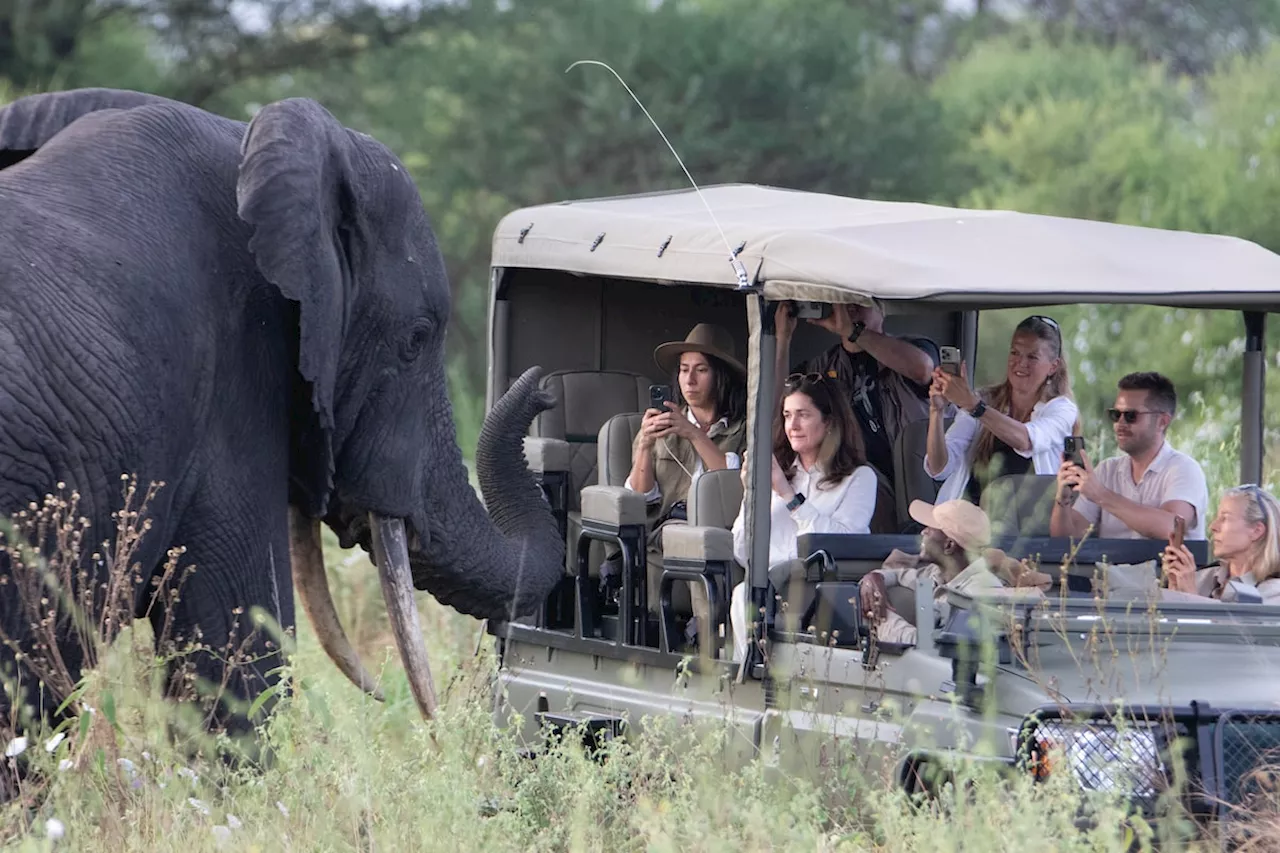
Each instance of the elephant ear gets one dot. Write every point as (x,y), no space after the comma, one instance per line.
(30,122)
(294,190)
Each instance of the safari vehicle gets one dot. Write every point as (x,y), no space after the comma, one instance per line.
(587,289)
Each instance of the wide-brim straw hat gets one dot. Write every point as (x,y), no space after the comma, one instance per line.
(706,338)
(962,522)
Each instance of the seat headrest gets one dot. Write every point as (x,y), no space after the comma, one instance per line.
(588,398)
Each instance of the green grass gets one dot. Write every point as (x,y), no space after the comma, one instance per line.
(349,773)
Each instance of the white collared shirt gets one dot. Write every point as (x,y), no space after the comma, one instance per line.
(1050,423)
(731,460)
(845,507)
(1171,476)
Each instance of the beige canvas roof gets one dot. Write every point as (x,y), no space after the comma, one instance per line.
(804,245)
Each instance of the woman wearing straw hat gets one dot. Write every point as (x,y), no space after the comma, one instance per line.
(703,429)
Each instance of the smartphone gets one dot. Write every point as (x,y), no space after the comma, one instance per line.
(812,310)
(659,395)
(950,360)
(1179,531)
(1072,446)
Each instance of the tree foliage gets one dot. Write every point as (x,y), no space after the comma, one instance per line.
(1148,112)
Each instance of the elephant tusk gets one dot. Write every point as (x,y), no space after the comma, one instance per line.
(313,588)
(391,553)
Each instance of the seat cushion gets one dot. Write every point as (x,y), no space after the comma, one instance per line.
(716,498)
(687,542)
(613,450)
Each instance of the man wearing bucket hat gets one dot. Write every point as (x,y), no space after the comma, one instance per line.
(955,552)
(703,429)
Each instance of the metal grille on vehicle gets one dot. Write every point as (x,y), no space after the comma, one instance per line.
(1133,759)
(1248,750)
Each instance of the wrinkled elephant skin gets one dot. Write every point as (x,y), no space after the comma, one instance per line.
(252,314)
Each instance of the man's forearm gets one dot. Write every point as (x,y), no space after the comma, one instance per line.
(902,357)
(1151,522)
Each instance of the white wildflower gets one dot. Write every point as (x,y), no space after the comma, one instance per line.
(221,834)
(65,765)
(127,766)
(198,805)
(233,821)
(146,755)
(54,742)
(284,811)
(190,774)
(16,747)
(53,829)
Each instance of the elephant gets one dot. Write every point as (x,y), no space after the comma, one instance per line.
(252,314)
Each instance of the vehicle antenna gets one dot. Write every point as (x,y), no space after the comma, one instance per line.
(744,282)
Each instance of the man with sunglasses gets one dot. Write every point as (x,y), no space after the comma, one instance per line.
(1137,494)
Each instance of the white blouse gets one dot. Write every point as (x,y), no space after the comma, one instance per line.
(845,507)
(1050,423)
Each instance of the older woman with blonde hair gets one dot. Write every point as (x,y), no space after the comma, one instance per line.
(1246,545)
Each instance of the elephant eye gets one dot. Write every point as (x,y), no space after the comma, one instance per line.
(416,342)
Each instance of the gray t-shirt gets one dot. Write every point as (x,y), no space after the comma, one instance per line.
(1172,476)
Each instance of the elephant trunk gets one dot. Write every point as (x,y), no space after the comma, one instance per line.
(497,565)
(503,563)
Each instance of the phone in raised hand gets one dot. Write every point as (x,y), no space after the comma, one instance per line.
(950,360)
(1072,449)
(1179,532)
(659,396)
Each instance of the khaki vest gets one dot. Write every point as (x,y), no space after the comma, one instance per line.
(671,453)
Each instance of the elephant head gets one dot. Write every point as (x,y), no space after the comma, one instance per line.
(339,228)
(331,219)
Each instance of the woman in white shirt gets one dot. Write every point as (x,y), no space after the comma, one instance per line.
(821,482)
(1015,427)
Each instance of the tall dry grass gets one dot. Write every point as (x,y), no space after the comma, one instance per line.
(134,772)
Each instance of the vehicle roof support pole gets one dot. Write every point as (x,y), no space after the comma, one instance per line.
(499,337)
(759,491)
(969,340)
(1253,394)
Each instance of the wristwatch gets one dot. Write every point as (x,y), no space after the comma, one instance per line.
(858,329)
(977,410)
(795,502)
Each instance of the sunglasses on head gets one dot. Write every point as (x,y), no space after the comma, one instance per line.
(1048,321)
(795,380)
(1129,415)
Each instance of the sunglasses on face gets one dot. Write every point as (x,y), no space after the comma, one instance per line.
(1129,415)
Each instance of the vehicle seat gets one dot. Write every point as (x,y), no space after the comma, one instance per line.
(613,446)
(1020,504)
(586,400)
(884,519)
(715,499)
(613,463)
(910,480)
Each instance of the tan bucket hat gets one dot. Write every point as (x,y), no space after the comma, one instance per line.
(961,521)
(706,338)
